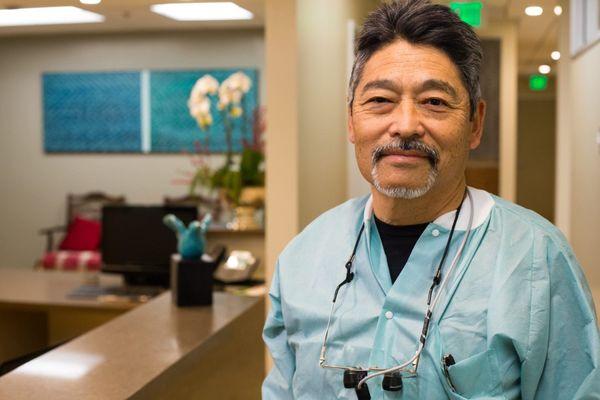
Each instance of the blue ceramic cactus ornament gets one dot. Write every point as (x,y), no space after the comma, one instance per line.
(191,240)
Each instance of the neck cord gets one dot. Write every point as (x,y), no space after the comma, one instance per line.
(349,273)
(438,273)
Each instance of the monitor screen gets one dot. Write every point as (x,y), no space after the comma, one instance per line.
(134,238)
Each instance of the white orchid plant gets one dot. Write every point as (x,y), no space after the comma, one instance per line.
(230,94)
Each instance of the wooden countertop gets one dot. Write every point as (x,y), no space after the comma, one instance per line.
(28,288)
(120,358)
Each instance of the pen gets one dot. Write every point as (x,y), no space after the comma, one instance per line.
(447,361)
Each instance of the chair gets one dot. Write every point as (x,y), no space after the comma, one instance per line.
(84,212)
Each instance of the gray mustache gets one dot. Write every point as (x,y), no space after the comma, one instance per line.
(407,145)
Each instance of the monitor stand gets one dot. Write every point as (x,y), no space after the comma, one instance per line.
(148,279)
(140,275)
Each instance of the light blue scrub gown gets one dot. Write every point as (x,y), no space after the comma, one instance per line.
(516,314)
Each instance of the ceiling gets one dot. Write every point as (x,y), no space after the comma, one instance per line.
(127,16)
(537,35)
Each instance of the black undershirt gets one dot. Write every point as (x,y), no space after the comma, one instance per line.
(398,242)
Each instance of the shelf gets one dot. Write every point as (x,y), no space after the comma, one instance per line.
(223,230)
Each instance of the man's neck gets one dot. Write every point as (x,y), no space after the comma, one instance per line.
(420,210)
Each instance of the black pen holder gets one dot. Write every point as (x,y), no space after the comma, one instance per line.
(191,282)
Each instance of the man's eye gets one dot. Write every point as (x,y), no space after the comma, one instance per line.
(378,100)
(435,102)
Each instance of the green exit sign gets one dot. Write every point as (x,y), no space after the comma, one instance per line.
(538,82)
(468,11)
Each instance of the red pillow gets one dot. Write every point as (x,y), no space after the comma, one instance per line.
(83,234)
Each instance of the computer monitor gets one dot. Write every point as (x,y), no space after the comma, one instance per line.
(137,244)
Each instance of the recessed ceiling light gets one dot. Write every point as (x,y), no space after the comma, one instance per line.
(90,1)
(555,55)
(534,11)
(544,69)
(557,10)
(48,16)
(202,11)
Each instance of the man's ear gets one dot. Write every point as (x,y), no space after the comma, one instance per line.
(477,125)
(351,136)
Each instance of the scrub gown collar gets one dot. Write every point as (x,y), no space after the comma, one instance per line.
(482,203)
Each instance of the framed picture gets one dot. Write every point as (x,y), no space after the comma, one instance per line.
(173,129)
(143,112)
(91,112)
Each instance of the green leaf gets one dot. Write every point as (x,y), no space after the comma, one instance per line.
(251,175)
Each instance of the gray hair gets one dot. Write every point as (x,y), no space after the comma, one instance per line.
(422,23)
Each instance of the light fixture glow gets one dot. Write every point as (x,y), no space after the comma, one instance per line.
(557,10)
(544,69)
(93,2)
(538,83)
(202,11)
(534,11)
(555,55)
(48,16)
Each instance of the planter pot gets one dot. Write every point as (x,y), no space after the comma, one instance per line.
(245,218)
(253,196)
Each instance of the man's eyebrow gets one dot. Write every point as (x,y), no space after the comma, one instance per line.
(381,84)
(437,84)
(430,84)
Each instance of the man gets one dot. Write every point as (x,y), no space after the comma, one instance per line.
(438,291)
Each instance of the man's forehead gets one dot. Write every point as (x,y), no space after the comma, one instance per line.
(410,65)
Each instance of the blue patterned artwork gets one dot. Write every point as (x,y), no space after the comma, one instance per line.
(92,112)
(138,111)
(172,127)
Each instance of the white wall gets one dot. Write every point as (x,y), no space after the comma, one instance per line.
(507,33)
(578,154)
(323,36)
(34,185)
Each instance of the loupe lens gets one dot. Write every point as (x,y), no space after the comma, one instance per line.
(392,382)
(352,377)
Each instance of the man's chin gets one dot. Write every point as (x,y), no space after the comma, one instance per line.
(401,185)
(399,189)
(402,192)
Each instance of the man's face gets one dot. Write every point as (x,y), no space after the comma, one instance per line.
(410,121)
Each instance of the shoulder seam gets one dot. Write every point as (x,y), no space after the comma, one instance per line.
(551,233)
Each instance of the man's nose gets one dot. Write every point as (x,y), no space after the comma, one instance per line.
(406,121)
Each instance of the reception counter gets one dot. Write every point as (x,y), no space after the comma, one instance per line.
(155,351)
(37,309)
